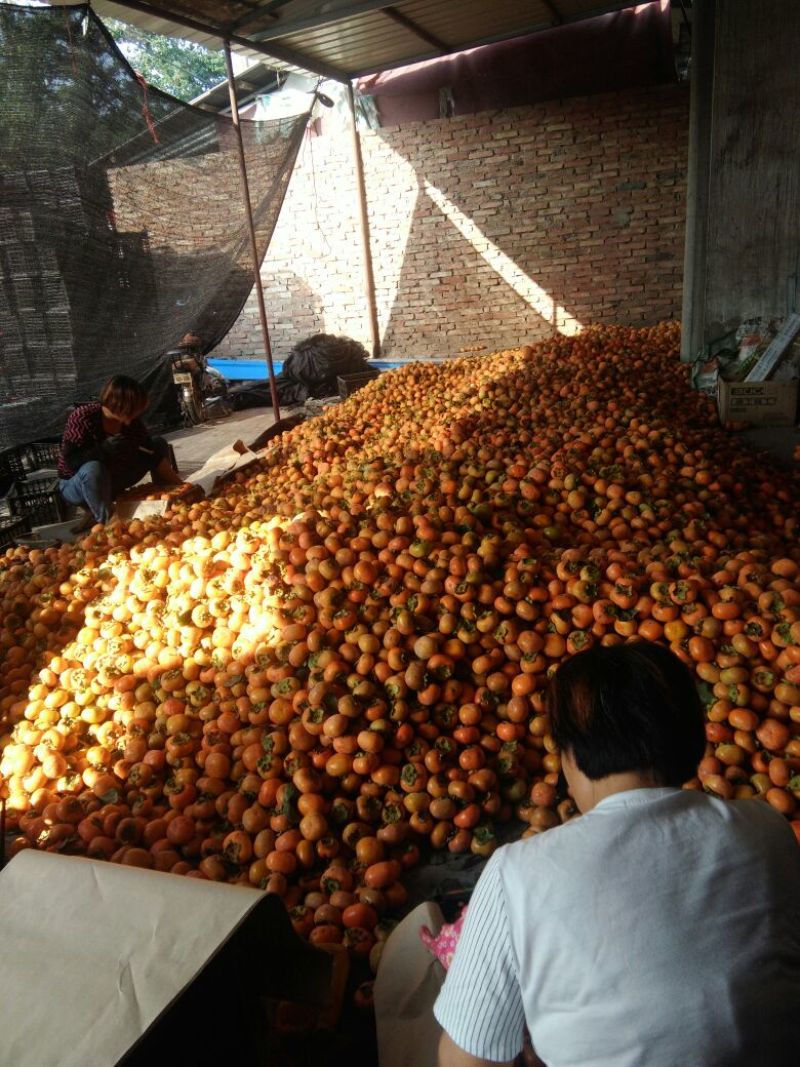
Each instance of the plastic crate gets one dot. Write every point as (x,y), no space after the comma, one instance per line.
(10,529)
(54,292)
(33,327)
(37,501)
(41,454)
(59,326)
(14,181)
(25,230)
(12,463)
(10,328)
(15,362)
(23,259)
(8,231)
(24,293)
(348,384)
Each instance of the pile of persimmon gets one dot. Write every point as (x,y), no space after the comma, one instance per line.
(337,662)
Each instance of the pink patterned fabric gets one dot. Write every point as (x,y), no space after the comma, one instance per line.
(443,945)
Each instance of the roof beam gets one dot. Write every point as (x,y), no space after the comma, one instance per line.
(276,51)
(522,31)
(326,18)
(260,13)
(416,29)
(245,93)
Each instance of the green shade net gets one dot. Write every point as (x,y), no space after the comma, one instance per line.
(122,225)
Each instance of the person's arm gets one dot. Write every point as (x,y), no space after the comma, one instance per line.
(450,1055)
(166,474)
(480,1006)
(138,434)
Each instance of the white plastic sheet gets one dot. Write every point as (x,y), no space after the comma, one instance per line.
(408,981)
(93,953)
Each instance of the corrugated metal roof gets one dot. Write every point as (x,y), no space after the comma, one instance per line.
(348,38)
(250,83)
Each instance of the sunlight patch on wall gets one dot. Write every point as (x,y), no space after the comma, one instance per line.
(389,243)
(533,295)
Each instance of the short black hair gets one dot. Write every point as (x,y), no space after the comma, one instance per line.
(124,396)
(628,707)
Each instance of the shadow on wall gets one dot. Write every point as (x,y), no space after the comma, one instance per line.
(458,289)
(465,281)
(566,219)
(294,311)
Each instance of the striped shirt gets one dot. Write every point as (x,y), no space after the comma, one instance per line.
(84,433)
(661,929)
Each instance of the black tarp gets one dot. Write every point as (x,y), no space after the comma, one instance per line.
(627,48)
(310,370)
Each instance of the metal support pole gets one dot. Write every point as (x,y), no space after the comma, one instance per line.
(259,291)
(366,257)
(274,50)
(701,125)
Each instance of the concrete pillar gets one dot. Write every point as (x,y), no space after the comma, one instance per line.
(694,262)
(742,241)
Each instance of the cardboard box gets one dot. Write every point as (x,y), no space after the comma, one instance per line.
(406,986)
(776,350)
(105,964)
(128,509)
(759,403)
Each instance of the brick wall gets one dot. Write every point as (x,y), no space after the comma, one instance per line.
(486,230)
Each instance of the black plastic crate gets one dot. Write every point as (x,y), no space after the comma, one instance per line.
(59,326)
(15,361)
(37,501)
(41,454)
(9,331)
(14,181)
(40,182)
(24,293)
(25,230)
(12,463)
(8,231)
(19,462)
(351,383)
(23,259)
(33,328)
(10,530)
(54,292)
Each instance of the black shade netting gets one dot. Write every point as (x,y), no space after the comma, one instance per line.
(122,223)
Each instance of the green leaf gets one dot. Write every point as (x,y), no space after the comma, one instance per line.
(706,694)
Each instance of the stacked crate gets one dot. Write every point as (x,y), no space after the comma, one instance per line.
(29,487)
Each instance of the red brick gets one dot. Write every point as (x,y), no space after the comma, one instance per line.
(547,184)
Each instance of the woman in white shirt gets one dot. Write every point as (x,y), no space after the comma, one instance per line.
(660,929)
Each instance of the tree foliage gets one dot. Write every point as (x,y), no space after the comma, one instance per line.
(178,67)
